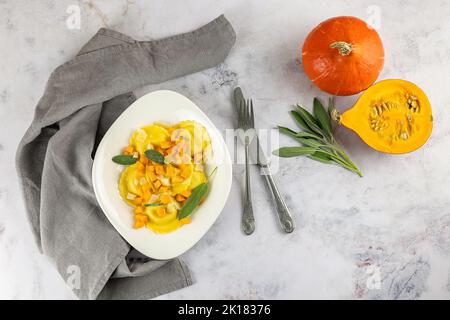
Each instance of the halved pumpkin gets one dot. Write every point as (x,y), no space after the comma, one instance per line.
(392,116)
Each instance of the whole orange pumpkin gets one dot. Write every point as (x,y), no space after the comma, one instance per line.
(343,55)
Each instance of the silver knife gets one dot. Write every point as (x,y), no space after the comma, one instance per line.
(284,215)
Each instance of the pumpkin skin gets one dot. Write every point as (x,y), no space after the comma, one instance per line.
(343,56)
(392,116)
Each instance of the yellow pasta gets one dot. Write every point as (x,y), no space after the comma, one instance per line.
(157,191)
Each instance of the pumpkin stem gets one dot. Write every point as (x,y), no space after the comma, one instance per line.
(335,116)
(344,48)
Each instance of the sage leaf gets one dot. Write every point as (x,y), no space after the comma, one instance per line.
(152,204)
(300,121)
(309,120)
(321,157)
(309,142)
(125,159)
(287,152)
(155,156)
(194,199)
(330,106)
(317,140)
(303,134)
(287,131)
(322,116)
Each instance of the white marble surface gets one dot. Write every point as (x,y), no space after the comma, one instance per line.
(395,220)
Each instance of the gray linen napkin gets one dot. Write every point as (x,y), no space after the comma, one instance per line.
(54,159)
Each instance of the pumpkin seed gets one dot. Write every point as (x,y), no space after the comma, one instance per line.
(404,135)
(374,112)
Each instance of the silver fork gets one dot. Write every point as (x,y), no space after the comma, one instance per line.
(246,124)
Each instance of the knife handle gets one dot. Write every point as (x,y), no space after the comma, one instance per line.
(284,215)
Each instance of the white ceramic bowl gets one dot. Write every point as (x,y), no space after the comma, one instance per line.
(169,107)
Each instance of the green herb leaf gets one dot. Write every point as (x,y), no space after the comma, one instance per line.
(124,159)
(317,138)
(300,121)
(155,156)
(287,131)
(194,199)
(321,157)
(303,134)
(309,142)
(330,106)
(296,135)
(309,120)
(152,204)
(213,172)
(287,152)
(322,117)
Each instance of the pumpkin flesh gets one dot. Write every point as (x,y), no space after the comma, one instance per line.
(392,116)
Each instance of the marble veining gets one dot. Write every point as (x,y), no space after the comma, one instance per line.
(384,236)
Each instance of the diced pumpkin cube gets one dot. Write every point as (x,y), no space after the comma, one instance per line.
(164,189)
(170,171)
(186,220)
(128,150)
(138,224)
(165,199)
(137,201)
(145,187)
(160,211)
(186,193)
(159,169)
(186,172)
(166,144)
(157,184)
(179,198)
(140,167)
(150,168)
(151,176)
(143,160)
(146,196)
(140,220)
(138,210)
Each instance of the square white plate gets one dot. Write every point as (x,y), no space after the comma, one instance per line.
(168,107)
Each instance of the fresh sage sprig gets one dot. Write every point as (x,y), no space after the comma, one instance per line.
(152,204)
(317,140)
(124,159)
(155,156)
(194,200)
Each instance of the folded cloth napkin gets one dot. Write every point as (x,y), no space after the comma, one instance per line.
(54,159)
